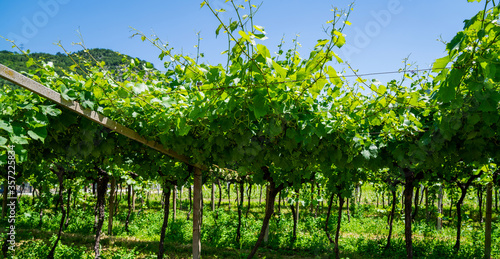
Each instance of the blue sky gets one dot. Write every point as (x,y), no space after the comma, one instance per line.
(382,34)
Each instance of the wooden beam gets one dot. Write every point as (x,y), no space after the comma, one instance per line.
(37,88)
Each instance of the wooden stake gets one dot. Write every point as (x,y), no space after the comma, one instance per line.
(35,87)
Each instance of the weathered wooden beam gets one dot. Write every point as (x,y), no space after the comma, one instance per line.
(37,88)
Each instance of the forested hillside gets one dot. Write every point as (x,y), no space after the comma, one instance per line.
(112,60)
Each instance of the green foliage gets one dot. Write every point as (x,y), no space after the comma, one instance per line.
(38,249)
(24,117)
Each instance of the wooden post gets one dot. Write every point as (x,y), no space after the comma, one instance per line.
(260,196)
(407,194)
(197,214)
(487,227)
(229,196)
(190,198)
(180,198)
(174,203)
(266,235)
(496,198)
(111,206)
(440,209)
(133,199)
(311,209)
(426,193)
(213,196)
(297,206)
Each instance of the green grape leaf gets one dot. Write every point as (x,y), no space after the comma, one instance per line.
(38,134)
(3,141)
(19,140)
(182,127)
(440,64)
(366,154)
(6,126)
(50,110)
(455,43)
(87,104)
(122,93)
(263,51)
(446,92)
(260,108)
(340,39)
(275,129)
(218,29)
(280,70)
(233,26)
(21,154)
(196,113)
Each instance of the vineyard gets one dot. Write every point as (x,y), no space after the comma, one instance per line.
(270,155)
